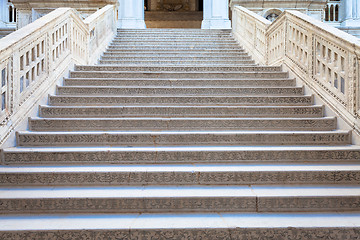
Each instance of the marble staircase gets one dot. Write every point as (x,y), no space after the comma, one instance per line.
(178,134)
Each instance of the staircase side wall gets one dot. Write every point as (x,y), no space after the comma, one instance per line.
(326,59)
(34,59)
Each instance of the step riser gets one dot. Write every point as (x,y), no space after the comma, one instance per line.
(189,100)
(259,69)
(180,157)
(107,91)
(133,139)
(170,58)
(175,47)
(131,124)
(175,52)
(313,233)
(180,204)
(180,83)
(149,178)
(169,42)
(179,75)
(177,63)
(294,112)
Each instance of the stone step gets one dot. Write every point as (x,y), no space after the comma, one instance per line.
(181,155)
(175,41)
(171,91)
(175,52)
(184,124)
(181,100)
(177,58)
(225,226)
(176,82)
(178,138)
(180,111)
(175,74)
(204,47)
(180,199)
(163,175)
(175,44)
(149,62)
(190,68)
(168,38)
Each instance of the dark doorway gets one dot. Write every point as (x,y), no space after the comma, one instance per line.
(146,5)
(201,5)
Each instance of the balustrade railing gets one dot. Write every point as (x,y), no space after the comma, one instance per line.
(33,58)
(323,57)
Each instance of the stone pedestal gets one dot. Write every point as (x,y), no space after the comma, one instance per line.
(131,14)
(350,14)
(216,15)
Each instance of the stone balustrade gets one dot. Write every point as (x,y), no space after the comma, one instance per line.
(37,56)
(326,59)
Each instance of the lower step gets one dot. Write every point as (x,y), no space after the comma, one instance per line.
(210,226)
(181,100)
(180,111)
(177,125)
(186,174)
(163,138)
(180,155)
(179,199)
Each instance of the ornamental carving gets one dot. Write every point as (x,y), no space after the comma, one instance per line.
(173,5)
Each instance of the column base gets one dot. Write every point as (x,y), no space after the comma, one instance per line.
(351,23)
(216,24)
(131,24)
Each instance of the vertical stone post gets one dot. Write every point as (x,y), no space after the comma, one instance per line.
(131,14)
(350,13)
(216,15)
(3,13)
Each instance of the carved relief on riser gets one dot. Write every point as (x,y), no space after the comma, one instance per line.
(187,100)
(180,204)
(179,124)
(171,91)
(136,139)
(179,178)
(179,75)
(88,112)
(121,82)
(115,69)
(180,157)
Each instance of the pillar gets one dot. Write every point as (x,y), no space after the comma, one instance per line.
(216,15)
(3,13)
(131,14)
(350,13)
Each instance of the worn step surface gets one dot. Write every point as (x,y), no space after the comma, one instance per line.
(181,155)
(176,226)
(149,199)
(177,82)
(171,91)
(194,174)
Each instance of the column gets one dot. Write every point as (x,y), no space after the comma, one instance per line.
(131,14)
(216,15)
(3,13)
(350,13)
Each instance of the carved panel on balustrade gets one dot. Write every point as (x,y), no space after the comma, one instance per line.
(331,62)
(297,49)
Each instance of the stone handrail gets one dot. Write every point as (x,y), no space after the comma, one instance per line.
(249,29)
(323,57)
(34,58)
